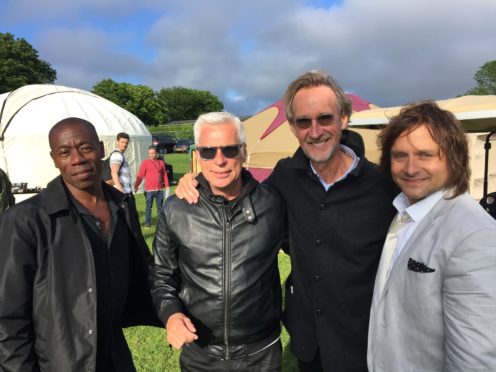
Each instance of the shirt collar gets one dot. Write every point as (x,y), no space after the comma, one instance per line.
(418,210)
(80,209)
(353,165)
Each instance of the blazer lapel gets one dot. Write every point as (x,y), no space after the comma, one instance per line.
(430,221)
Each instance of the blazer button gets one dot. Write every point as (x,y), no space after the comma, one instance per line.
(322,207)
(90,331)
(318,312)
(318,242)
(316,278)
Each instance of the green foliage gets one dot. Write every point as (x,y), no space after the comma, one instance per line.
(185,103)
(486,80)
(141,100)
(20,65)
(179,131)
(149,344)
(157,108)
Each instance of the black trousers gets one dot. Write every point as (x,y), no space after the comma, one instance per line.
(196,359)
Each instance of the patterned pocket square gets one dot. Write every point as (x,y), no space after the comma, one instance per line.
(418,267)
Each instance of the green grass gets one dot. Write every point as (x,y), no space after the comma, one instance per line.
(148,344)
(181,164)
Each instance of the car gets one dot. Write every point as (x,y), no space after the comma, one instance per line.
(182,145)
(164,143)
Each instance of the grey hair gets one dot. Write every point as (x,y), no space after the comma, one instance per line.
(218,118)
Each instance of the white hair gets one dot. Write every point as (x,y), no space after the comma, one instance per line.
(219,118)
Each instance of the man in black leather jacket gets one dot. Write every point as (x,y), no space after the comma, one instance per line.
(215,280)
(73,267)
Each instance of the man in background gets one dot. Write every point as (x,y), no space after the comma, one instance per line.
(153,171)
(73,266)
(119,167)
(6,197)
(434,299)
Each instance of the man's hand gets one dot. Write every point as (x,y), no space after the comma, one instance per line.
(180,330)
(186,189)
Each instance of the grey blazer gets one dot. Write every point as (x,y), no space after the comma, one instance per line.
(438,308)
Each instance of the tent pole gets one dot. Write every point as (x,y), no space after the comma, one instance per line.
(487,147)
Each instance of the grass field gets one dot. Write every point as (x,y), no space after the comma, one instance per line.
(148,344)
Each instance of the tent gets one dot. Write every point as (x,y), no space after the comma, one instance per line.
(28,113)
(269,138)
(477,113)
(478,117)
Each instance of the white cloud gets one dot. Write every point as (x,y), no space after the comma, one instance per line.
(85,56)
(388,52)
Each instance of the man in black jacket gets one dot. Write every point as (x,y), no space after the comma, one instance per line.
(339,208)
(215,280)
(73,267)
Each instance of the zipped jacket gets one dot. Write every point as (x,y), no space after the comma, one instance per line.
(216,262)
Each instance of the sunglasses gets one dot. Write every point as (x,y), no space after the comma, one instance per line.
(323,120)
(229,152)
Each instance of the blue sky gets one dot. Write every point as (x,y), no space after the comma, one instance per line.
(389,52)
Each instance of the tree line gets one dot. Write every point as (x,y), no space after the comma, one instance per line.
(20,65)
(153,108)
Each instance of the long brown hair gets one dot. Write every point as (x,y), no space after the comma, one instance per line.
(445,129)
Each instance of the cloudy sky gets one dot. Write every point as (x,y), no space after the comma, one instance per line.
(247,51)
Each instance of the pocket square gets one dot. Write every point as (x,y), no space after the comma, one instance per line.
(418,267)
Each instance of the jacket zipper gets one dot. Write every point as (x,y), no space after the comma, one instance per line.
(226,246)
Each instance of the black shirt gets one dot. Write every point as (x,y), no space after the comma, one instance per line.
(112,268)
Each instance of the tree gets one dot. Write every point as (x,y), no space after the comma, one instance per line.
(486,79)
(141,100)
(20,65)
(185,103)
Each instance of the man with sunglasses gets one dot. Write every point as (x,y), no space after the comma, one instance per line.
(339,212)
(215,280)
(339,209)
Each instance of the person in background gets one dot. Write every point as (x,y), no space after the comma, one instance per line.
(434,299)
(119,167)
(215,279)
(73,267)
(106,171)
(153,171)
(7,199)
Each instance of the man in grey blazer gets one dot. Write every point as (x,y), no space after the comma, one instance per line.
(434,305)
